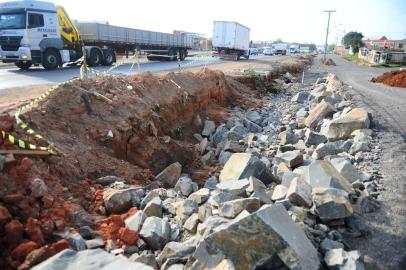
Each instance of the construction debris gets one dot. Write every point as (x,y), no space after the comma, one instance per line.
(255,189)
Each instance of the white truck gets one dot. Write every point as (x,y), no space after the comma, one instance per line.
(280,48)
(231,40)
(41,33)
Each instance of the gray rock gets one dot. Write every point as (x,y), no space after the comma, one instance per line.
(288,137)
(38,188)
(237,132)
(279,193)
(135,221)
(346,169)
(191,223)
(95,243)
(198,137)
(220,134)
(253,116)
(80,217)
(290,158)
(314,138)
(231,209)
(209,128)
(331,203)
(186,186)
(146,259)
(200,196)
(185,209)
(269,234)
(262,196)
(244,165)
(287,178)
(234,146)
(74,238)
(224,157)
(205,211)
(301,97)
(156,232)
(251,126)
(86,232)
(300,193)
(332,148)
(2,162)
(218,198)
(235,187)
(177,266)
(212,182)
(342,127)
(255,185)
(359,147)
(119,201)
(87,260)
(109,179)
(170,175)
(328,244)
(176,250)
(153,208)
(210,225)
(159,192)
(321,173)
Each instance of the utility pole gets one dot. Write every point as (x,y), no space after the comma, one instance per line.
(328,26)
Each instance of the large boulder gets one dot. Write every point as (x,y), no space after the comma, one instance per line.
(266,238)
(322,110)
(300,193)
(176,250)
(170,175)
(331,203)
(156,232)
(120,200)
(291,158)
(231,209)
(209,128)
(254,116)
(235,187)
(342,127)
(288,137)
(88,259)
(332,148)
(321,173)
(349,171)
(244,165)
(314,138)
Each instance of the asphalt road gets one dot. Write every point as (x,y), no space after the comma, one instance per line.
(385,246)
(13,77)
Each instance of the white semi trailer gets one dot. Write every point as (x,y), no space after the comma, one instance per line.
(40,33)
(231,40)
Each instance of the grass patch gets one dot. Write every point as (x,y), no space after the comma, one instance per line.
(350,57)
(389,65)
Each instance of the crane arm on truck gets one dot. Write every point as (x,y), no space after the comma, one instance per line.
(69,33)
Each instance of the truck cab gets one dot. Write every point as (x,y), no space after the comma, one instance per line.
(27,30)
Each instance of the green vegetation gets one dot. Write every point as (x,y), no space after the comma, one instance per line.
(331,47)
(350,57)
(262,84)
(390,65)
(353,39)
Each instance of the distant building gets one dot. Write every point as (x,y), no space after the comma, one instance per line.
(379,43)
(382,56)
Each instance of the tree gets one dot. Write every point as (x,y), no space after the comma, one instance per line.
(353,39)
(331,47)
(278,40)
(312,47)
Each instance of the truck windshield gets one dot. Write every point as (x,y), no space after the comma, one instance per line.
(12,21)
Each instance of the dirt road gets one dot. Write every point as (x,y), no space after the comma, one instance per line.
(385,246)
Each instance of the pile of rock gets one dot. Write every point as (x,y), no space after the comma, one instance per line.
(289,193)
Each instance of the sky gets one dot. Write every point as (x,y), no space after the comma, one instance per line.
(293,21)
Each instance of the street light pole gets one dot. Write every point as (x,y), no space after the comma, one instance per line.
(328,26)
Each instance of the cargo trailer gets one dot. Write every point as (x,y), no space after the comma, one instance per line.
(231,40)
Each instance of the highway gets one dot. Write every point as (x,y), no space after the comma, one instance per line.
(11,77)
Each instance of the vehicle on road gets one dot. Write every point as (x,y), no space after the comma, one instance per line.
(268,51)
(280,48)
(41,33)
(254,51)
(293,49)
(231,40)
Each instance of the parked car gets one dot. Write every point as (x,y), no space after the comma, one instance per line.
(268,51)
(254,51)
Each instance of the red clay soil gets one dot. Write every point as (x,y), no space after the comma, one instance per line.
(152,120)
(393,78)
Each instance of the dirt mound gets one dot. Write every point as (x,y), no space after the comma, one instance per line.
(328,62)
(132,128)
(393,78)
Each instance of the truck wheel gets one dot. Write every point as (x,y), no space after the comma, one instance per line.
(108,58)
(50,59)
(238,57)
(95,58)
(182,55)
(24,65)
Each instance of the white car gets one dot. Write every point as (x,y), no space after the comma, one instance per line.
(268,51)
